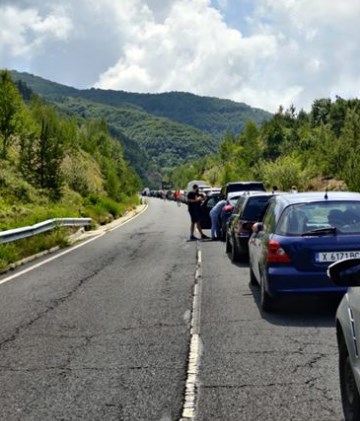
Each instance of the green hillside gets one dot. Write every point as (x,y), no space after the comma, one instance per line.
(166,143)
(55,165)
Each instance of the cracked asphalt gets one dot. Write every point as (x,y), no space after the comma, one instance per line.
(102,334)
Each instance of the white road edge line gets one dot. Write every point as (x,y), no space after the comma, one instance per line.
(44,262)
(37,265)
(130,219)
(189,406)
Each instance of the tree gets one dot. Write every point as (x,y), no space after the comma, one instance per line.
(320,111)
(11,105)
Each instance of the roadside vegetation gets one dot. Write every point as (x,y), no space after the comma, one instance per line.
(54,165)
(314,150)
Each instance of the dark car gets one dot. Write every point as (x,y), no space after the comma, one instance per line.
(238,186)
(249,209)
(206,206)
(227,211)
(301,234)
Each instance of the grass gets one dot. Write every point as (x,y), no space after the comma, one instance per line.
(101,209)
(17,250)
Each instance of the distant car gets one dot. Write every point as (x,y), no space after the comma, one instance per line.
(301,234)
(238,186)
(346,273)
(206,206)
(249,209)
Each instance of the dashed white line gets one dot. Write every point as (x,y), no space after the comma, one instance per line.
(189,406)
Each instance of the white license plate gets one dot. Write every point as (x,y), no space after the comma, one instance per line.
(333,256)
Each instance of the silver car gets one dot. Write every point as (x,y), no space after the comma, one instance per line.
(347,273)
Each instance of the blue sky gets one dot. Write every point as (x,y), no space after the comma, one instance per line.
(265,53)
(236,13)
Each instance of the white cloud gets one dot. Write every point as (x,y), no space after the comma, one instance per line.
(192,50)
(291,51)
(24,31)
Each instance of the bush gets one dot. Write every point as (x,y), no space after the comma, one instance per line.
(285,172)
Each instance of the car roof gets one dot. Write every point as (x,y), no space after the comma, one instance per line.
(244,182)
(293,198)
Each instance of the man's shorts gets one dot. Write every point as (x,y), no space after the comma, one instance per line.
(195,216)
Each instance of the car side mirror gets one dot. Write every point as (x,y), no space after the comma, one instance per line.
(345,272)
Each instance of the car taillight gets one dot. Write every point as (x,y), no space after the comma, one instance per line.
(276,254)
(228,208)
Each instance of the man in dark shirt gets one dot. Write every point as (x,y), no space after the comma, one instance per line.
(194,200)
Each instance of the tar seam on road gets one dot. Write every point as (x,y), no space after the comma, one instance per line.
(189,406)
(16,275)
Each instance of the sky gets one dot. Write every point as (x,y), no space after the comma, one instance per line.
(265,53)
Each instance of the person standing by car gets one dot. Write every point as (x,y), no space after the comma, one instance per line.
(194,200)
(215,221)
(177,197)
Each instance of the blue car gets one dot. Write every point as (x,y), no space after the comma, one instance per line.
(299,236)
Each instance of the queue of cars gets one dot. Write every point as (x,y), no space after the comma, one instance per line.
(304,243)
(299,244)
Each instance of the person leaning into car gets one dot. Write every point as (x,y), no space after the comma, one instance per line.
(194,199)
(215,222)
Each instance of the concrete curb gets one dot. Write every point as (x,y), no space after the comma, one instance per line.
(80,235)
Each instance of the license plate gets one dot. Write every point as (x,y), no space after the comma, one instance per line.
(333,256)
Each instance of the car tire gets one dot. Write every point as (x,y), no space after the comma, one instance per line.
(253,280)
(349,393)
(223,232)
(227,244)
(266,301)
(235,255)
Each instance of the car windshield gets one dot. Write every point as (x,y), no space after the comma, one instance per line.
(310,217)
(255,207)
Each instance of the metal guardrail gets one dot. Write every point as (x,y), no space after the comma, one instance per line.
(24,232)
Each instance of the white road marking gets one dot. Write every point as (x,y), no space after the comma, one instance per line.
(44,262)
(189,406)
(130,219)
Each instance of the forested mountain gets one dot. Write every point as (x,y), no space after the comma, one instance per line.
(165,142)
(169,129)
(211,115)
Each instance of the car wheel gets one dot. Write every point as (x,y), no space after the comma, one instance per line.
(266,301)
(253,280)
(223,232)
(227,244)
(349,392)
(235,255)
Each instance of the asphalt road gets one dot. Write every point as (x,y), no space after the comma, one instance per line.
(103,333)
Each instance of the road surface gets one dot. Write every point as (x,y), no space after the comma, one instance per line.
(103,333)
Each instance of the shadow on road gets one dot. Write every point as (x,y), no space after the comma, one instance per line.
(315,310)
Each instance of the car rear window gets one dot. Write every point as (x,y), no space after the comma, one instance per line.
(245,187)
(299,218)
(233,200)
(255,207)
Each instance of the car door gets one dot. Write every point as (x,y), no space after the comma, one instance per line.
(206,207)
(259,240)
(233,220)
